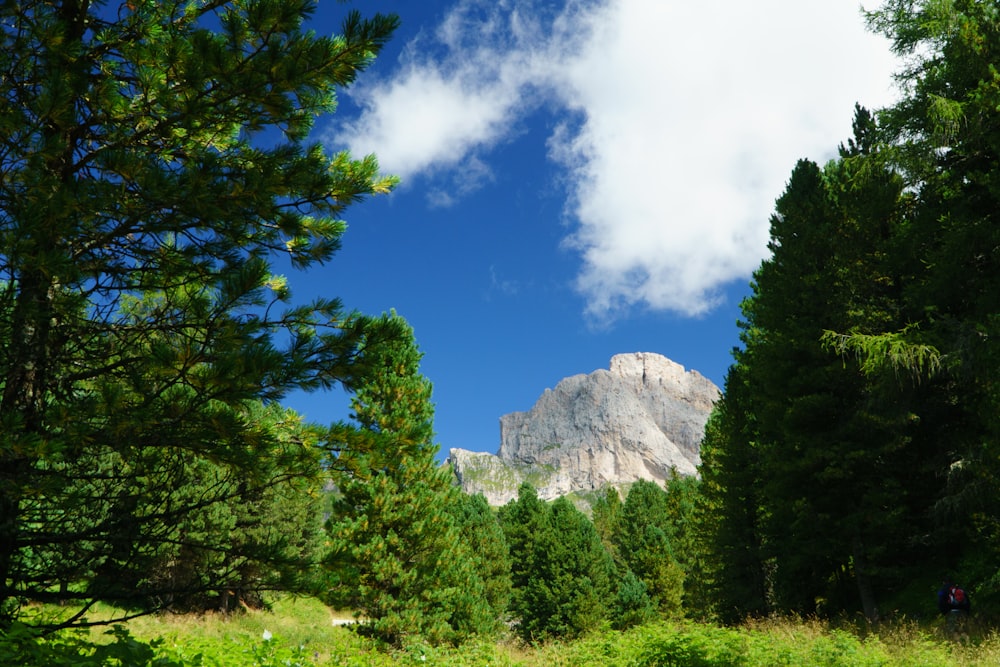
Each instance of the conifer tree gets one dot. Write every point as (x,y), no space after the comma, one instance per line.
(480,531)
(397,556)
(154,162)
(734,574)
(840,481)
(606,515)
(256,532)
(643,538)
(564,580)
(944,141)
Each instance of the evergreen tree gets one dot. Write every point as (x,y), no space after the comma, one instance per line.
(564,580)
(735,572)
(523,520)
(271,522)
(643,538)
(255,531)
(683,493)
(632,605)
(397,555)
(833,446)
(153,162)
(841,482)
(944,141)
(480,531)
(607,515)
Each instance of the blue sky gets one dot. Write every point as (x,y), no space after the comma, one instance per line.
(579,179)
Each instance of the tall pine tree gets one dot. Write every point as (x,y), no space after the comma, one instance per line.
(154,162)
(397,556)
(841,484)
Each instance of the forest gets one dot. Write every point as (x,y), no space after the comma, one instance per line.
(157,166)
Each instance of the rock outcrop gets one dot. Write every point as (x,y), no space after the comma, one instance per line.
(637,420)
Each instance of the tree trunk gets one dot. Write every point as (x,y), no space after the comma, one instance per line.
(864,581)
(9,509)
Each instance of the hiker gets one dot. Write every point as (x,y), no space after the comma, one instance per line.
(954,603)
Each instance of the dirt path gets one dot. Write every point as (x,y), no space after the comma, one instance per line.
(343,621)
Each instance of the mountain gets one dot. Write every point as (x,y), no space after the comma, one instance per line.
(636,420)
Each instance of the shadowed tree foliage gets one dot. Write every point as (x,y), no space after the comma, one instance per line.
(734,574)
(564,580)
(945,141)
(264,536)
(154,163)
(840,476)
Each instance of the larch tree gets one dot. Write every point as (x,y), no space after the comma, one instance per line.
(945,141)
(155,163)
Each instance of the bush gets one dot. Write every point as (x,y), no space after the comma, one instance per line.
(25,646)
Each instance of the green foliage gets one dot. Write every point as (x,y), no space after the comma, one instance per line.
(23,645)
(632,605)
(153,163)
(942,138)
(300,634)
(733,574)
(606,515)
(763,644)
(396,551)
(563,578)
(859,426)
(258,530)
(480,531)
(841,484)
(896,352)
(690,647)
(644,540)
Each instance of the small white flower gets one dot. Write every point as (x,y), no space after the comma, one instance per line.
(423,658)
(267,635)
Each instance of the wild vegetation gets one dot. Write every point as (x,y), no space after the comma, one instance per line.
(297,632)
(156,167)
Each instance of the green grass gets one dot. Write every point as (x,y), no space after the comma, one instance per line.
(301,634)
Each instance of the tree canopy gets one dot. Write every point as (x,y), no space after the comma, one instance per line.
(858,426)
(154,166)
(396,554)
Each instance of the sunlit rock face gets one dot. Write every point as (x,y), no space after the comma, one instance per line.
(637,420)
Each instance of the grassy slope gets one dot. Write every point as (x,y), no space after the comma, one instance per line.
(301,633)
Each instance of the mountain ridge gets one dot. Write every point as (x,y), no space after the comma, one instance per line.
(640,418)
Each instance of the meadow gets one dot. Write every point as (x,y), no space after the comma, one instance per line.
(302,633)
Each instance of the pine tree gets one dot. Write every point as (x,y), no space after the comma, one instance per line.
(397,556)
(564,580)
(154,161)
(480,531)
(643,538)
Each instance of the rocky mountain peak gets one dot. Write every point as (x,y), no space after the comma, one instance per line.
(637,420)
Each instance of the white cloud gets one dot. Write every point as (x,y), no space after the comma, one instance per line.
(423,120)
(683,121)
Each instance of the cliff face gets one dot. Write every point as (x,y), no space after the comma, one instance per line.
(634,421)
